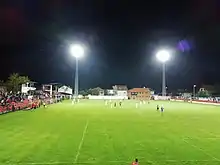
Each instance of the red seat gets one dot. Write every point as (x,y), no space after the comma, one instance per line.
(1,109)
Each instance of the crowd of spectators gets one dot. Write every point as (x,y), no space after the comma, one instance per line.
(12,102)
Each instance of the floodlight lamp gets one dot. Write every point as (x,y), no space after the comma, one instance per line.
(194,86)
(77,51)
(163,56)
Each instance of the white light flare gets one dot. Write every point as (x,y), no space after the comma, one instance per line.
(163,56)
(77,50)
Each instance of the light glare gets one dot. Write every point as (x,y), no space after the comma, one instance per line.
(77,50)
(163,56)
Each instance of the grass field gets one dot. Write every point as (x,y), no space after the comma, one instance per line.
(92,133)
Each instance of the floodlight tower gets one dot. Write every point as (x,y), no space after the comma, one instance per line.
(194,90)
(163,56)
(77,51)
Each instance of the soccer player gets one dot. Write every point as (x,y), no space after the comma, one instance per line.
(140,102)
(111,104)
(162,109)
(136,105)
(120,102)
(115,104)
(106,102)
(135,162)
(44,104)
(158,107)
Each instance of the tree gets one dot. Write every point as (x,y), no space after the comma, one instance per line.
(14,82)
(105,92)
(95,91)
(2,86)
(204,93)
(2,83)
(84,92)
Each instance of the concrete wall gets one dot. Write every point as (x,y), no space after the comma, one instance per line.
(107,97)
(162,97)
(199,102)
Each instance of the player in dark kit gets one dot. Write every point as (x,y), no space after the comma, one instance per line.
(135,162)
(158,107)
(120,103)
(115,104)
(162,109)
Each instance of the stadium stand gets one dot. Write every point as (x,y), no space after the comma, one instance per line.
(13,102)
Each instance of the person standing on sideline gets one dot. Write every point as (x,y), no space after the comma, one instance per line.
(135,162)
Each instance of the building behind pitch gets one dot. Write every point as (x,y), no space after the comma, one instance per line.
(120,90)
(139,94)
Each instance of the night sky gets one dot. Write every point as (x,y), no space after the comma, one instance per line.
(121,38)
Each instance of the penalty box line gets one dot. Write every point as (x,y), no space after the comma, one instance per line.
(81,142)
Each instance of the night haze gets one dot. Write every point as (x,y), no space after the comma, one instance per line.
(121,39)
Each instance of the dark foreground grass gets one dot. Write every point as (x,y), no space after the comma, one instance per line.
(92,133)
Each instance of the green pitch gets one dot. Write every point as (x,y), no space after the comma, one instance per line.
(92,133)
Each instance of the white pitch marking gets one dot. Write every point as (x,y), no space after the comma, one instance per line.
(116,161)
(201,150)
(81,142)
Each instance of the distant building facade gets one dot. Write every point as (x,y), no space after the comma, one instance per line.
(27,87)
(139,94)
(110,92)
(120,90)
(65,90)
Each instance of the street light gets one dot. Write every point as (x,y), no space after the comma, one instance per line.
(163,56)
(77,51)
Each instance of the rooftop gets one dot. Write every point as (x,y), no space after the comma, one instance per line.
(139,90)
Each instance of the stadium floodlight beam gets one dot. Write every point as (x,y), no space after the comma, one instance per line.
(163,56)
(77,51)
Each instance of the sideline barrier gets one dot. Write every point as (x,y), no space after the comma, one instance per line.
(207,102)
(92,97)
(156,97)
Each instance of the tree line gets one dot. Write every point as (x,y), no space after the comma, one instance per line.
(14,82)
(92,91)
